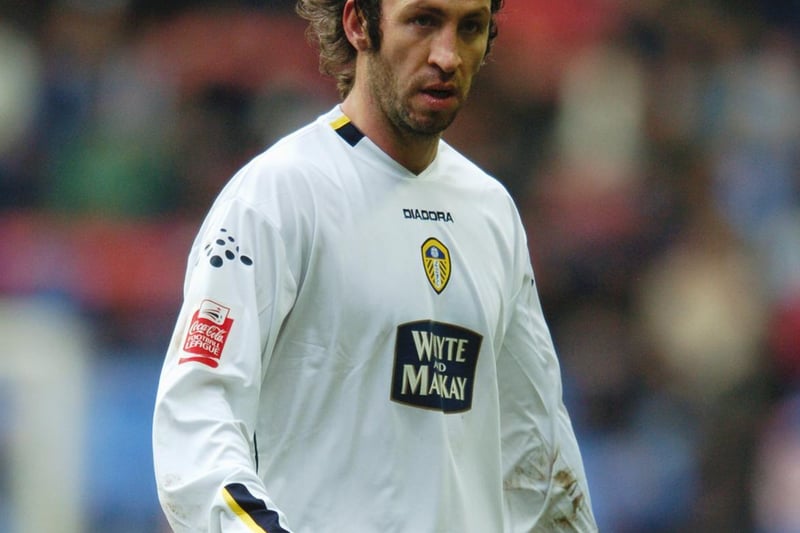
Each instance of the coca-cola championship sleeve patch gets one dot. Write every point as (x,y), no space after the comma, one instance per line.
(207,334)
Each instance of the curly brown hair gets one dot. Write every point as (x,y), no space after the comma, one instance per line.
(336,54)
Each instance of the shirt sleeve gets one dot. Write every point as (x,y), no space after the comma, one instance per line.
(545,488)
(239,288)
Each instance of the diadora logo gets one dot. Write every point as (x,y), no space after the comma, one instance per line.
(428,215)
(434,366)
(436,261)
(224,248)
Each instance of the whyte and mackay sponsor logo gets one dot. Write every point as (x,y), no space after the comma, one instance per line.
(207,334)
(434,366)
(428,215)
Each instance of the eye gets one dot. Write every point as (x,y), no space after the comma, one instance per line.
(473,26)
(424,21)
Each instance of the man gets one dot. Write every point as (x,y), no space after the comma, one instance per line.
(361,347)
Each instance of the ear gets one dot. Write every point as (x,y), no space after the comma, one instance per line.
(355,27)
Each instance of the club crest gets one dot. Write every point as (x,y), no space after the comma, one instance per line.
(436,260)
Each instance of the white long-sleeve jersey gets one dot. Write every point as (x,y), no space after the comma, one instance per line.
(362,349)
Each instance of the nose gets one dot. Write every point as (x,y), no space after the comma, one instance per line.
(444,53)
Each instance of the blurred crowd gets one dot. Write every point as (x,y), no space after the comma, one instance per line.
(653,147)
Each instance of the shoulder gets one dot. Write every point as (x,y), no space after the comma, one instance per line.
(467,175)
(466,171)
(287,168)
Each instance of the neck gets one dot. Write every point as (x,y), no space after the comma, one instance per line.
(413,151)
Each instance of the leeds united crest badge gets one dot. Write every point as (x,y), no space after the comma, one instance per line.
(436,260)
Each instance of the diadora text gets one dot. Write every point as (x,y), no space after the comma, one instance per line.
(425,214)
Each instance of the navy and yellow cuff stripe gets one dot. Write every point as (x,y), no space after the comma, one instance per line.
(347,130)
(251,510)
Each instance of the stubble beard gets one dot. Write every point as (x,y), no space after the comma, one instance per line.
(398,109)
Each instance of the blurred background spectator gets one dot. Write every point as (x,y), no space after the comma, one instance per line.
(653,148)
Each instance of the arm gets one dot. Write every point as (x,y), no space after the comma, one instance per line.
(545,488)
(208,397)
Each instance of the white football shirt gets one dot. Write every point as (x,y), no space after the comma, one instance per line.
(362,349)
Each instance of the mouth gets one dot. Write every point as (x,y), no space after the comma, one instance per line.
(440,92)
(440,98)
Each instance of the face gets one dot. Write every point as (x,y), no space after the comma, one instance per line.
(428,56)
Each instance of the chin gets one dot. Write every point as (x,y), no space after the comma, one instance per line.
(432,123)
